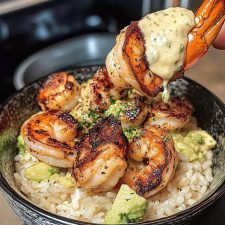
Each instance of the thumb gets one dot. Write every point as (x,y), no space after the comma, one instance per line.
(219,43)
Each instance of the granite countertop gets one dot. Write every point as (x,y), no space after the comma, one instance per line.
(210,72)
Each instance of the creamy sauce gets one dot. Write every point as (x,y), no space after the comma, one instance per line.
(166,92)
(166,37)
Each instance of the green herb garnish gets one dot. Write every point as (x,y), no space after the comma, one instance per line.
(132,132)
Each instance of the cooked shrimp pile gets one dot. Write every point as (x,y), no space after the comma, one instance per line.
(127,141)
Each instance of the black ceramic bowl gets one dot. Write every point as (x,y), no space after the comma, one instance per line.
(209,110)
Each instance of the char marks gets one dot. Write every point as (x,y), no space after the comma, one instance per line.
(106,131)
(134,54)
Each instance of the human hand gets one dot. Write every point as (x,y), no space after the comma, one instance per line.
(219,43)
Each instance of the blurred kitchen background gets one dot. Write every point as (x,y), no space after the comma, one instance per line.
(38,37)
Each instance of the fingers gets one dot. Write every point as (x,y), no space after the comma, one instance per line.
(219,43)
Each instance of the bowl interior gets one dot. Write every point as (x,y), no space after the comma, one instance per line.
(209,110)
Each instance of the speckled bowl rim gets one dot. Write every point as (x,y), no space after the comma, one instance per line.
(190,212)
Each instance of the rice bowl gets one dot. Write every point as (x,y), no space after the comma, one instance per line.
(189,185)
(59,194)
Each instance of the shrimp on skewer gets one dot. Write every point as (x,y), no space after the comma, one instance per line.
(154,150)
(130,52)
(60,92)
(101,156)
(50,137)
(172,115)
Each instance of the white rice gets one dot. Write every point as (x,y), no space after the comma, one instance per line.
(190,183)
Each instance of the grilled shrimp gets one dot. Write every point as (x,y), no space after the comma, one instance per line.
(131,112)
(135,113)
(172,115)
(59,92)
(50,137)
(100,87)
(127,62)
(120,73)
(115,66)
(101,156)
(154,161)
(102,90)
